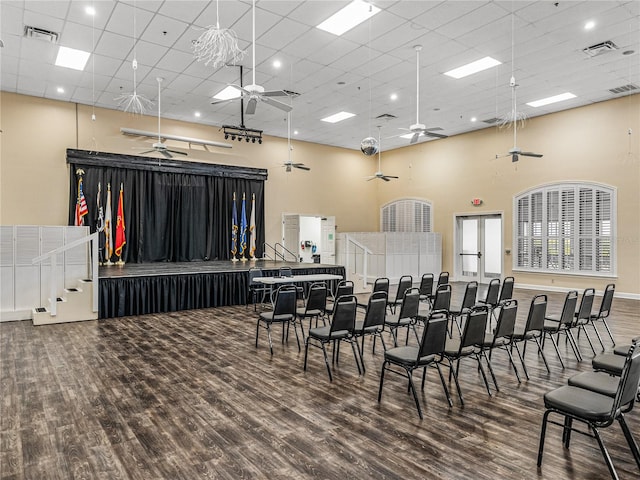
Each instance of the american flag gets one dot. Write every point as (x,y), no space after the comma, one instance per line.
(81,206)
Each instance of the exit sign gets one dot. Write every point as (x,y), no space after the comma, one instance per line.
(476,202)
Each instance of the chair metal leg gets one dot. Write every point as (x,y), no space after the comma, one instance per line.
(495,382)
(566,431)
(555,345)
(326,361)
(444,385)
(484,375)
(415,394)
(355,356)
(306,352)
(543,432)
(542,353)
(574,345)
(269,336)
(455,378)
(605,453)
(296,332)
(630,440)
(513,364)
(606,326)
(592,323)
(384,366)
(524,367)
(257,332)
(586,334)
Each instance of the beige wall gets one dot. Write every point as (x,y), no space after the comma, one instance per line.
(589,143)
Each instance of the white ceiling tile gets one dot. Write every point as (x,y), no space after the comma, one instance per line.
(185,10)
(164,30)
(77,13)
(11,20)
(282,33)
(80,37)
(114,45)
(42,21)
(8,82)
(124,17)
(55,9)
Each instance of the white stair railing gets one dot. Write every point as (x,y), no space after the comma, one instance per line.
(52,255)
(353,247)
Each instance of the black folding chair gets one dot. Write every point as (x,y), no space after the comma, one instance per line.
(284,312)
(427,354)
(595,410)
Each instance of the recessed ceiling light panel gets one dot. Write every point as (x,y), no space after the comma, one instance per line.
(338,117)
(350,16)
(556,98)
(72,58)
(473,67)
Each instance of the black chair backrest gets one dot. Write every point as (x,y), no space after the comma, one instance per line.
(443,278)
(286,298)
(285,272)
(426,284)
(381,285)
(376,310)
(317,299)
(507,319)
(254,273)
(584,312)
(434,336)
(493,290)
(345,287)
(410,304)
(506,292)
(474,327)
(569,308)
(406,281)
(629,379)
(607,300)
(344,314)
(470,293)
(442,300)
(537,312)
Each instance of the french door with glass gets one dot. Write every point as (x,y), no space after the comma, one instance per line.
(478,247)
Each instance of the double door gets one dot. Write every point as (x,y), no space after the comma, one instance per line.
(478,247)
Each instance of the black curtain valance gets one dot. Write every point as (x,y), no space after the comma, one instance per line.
(174,211)
(133,162)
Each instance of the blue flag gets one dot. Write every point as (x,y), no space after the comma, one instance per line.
(243,227)
(234,229)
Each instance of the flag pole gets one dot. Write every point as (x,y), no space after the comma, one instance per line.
(243,229)
(234,229)
(120,227)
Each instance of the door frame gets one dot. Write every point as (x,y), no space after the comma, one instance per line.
(457,262)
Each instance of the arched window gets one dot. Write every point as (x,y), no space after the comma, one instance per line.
(406,215)
(566,227)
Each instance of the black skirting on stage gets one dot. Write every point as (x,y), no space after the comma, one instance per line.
(137,289)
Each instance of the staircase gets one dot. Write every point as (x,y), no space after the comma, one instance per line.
(75,306)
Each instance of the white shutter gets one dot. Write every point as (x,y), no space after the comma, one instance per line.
(406,215)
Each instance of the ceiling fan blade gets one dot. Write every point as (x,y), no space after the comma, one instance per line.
(276,103)
(301,166)
(275,93)
(177,152)
(414,139)
(148,151)
(215,101)
(434,135)
(166,153)
(531,154)
(385,178)
(251,106)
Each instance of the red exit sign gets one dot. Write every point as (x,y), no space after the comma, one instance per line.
(476,202)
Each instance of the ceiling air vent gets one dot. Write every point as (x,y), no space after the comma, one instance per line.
(624,88)
(40,34)
(600,48)
(386,116)
(491,121)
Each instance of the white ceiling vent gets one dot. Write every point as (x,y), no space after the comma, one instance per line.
(600,48)
(40,34)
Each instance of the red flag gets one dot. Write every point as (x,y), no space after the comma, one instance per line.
(120,238)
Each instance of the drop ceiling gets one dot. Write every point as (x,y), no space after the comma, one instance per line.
(356,72)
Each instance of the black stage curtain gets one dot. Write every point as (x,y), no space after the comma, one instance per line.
(175,211)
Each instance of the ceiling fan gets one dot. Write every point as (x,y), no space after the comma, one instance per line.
(252,93)
(418,128)
(513,117)
(289,164)
(379,173)
(159,146)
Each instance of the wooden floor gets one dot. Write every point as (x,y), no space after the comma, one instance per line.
(187,395)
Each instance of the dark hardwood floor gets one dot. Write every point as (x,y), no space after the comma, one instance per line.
(187,395)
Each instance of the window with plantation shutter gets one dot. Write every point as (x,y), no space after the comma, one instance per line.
(565,227)
(406,215)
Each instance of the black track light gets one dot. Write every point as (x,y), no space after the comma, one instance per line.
(239,138)
(260,141)
(253,140)
(247,139)
(226,136)
(233,137)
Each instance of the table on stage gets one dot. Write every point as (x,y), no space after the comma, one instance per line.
(272,282)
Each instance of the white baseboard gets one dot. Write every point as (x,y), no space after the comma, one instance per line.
(548,288)
(15,315)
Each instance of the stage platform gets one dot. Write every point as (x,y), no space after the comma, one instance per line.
(140,288)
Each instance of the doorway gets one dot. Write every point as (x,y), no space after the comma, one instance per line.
(478,252)
(311,238)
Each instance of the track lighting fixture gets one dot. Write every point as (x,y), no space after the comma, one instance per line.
(239,133)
